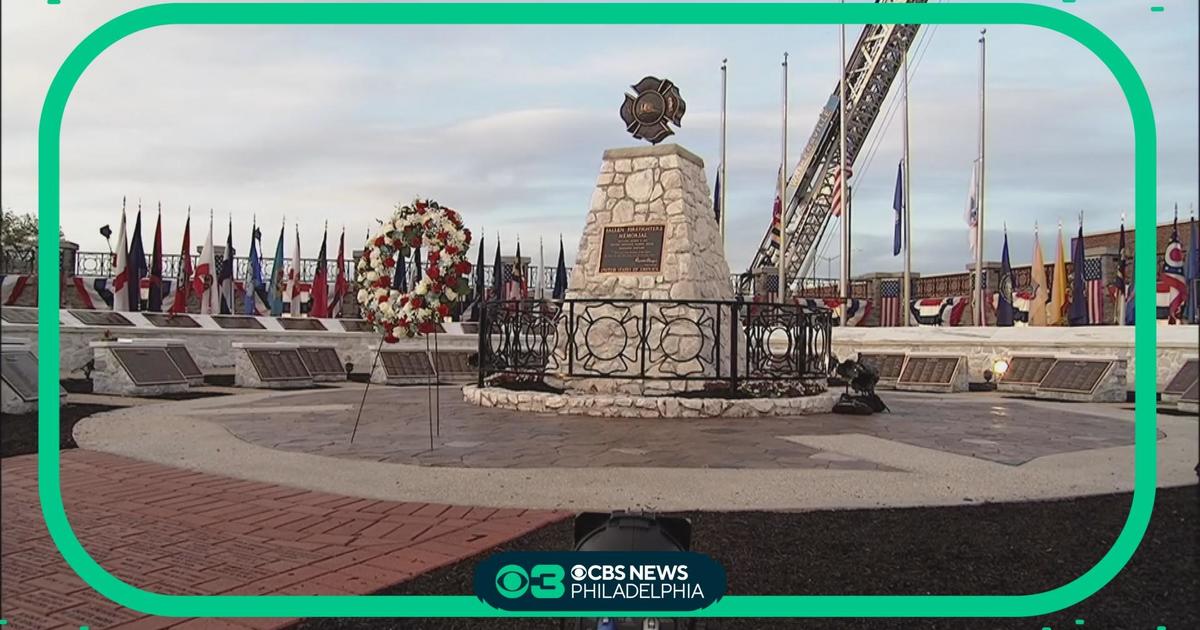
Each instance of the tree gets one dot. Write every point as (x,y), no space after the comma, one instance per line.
(18,231)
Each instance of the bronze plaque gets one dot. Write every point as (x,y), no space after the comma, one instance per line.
(356,325)
(300,323)
(406,363)
(184,361)
(238,322)
(470,328)
(1027,370)
(888,365)
(322,361)
(454,362)
(19,369)
(169,320)
(149,366)
(1186,377)
(1192,394)
(278,365)
(101,318)
(656,103)
(1074,375)
(16,315)
(929,370)
(632,248)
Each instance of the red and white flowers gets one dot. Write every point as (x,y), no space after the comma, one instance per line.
(439,232)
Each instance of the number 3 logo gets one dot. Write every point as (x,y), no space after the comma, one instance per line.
(546,581)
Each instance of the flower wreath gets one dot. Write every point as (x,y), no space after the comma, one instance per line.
(440,231)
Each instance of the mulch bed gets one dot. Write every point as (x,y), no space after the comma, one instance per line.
(18,433)
(986,549)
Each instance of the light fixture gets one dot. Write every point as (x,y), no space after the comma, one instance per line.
(999,367)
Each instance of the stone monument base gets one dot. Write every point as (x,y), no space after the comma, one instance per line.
(626,406)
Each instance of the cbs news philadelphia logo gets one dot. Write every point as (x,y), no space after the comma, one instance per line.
(607,581)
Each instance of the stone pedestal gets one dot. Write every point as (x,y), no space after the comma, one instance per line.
(110,377)
(651,188)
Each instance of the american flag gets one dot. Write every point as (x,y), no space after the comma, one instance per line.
(835,197)
(889,303)
(770,289)
(1095,290)
(514,282)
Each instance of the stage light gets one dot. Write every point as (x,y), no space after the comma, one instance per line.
(999,367)
(631,531)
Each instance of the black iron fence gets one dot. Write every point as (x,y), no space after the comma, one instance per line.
(691,340)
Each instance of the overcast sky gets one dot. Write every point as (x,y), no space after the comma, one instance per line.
(507,124)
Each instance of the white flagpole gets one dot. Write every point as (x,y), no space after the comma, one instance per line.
(783,198)
(721,172)
(541,292)
(979,306)
(844,280)
(906,232)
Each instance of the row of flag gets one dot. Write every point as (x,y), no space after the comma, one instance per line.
(213,284)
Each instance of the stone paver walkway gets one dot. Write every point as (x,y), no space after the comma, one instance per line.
(176,531)
(395,428)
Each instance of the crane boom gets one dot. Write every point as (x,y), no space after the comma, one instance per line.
(870,70)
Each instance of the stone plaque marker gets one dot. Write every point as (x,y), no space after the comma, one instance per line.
(19,371)
(1079,378)
(300,323)
(101,318)
(269,365)
(632,248)
(238,322)
(454,366)
(1190,400)
(1185,378)
(17,315)
(933,373)
(888,366)
(1025,373)
(165,320)
(470,328)
(149,366)
(323,363)
(186,364)
(402,367)
(356,325)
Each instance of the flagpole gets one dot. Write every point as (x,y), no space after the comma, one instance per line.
(906,291)
(979,307)
(721,172)
(783,198)
(1124,280)
(844,279)
(541,293)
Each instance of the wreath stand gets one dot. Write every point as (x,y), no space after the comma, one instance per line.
(433,391)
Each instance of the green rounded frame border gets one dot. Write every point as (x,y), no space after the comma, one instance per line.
(1145,195)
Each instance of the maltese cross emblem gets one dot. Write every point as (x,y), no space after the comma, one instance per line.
(656,103)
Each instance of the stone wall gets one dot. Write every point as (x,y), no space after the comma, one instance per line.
(627,406)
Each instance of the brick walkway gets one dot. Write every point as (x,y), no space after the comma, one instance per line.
(175,531)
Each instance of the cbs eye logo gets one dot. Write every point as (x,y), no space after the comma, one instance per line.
(543,581)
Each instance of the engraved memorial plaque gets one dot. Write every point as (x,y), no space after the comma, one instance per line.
(929,370)
(1186,377)
(470,328)
(168,320)
(322,361)
(184,361)
(1192,393)
(356,325)
(300,323)
(237,322)
(1079,376)
(453,363)
(888,365)
(406,363)
(1027,370)
(17,315)
(18,368)
(632,248)
(278,365)
(149,366)
(101,318)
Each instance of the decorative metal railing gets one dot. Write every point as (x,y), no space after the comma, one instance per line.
(690,340)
